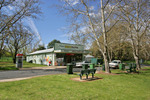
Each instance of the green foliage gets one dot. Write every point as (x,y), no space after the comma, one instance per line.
(41,47)
(122,51)
(4,53)
(51,44)
(7,54)
(61,87)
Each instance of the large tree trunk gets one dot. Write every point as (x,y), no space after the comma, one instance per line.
(105,54)
(137,60)
(1,47)
(136,53)
(14,60)
(0,53)
(110,54)
(14,57)
(107,69)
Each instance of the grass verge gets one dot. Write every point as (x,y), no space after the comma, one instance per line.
(8,65)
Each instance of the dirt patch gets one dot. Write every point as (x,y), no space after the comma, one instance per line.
(120,73)
(49,67)
(3,63)
(86,80)
(145,69)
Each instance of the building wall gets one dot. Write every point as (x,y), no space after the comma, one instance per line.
(46,57)
(41,58)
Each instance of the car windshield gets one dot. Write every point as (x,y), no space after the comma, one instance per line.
(114,61)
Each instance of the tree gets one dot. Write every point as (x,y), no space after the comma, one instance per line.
(94,17)
(118,47)
(52,43)
(41,47)
(19,37)
(145,47)
(78,37)
(19,9)
(135,14)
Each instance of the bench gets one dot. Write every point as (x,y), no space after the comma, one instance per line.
(87,72)
(132,68)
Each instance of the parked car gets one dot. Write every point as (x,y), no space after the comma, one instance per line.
(114,64)
(79,64)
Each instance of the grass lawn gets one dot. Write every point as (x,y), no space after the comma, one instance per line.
(8,65)
(60,87)
(147,62)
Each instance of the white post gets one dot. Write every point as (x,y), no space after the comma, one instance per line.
(54,59)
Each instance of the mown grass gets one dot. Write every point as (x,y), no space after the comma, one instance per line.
(61,87)
(9,65)
(147,62)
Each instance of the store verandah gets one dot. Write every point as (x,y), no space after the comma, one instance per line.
(64,58)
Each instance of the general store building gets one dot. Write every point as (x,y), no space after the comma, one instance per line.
(59,55)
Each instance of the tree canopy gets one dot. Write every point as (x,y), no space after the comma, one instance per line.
(52,43)
(41,47)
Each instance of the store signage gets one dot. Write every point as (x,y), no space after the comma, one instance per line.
(63,46)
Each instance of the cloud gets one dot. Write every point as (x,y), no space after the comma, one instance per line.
(67,41)
(72,2)
(75,2)
(45,45)
(95,14)
(66,35)
(83,29)
(10,7)
(34,28)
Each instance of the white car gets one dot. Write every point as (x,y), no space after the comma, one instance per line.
(114,63)
(79,64)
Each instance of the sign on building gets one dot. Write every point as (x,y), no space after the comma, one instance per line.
(63,46)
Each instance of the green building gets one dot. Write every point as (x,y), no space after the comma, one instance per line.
(60,55)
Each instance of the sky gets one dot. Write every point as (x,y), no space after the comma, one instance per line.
(50,24)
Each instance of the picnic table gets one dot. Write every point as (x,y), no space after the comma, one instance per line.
(85,70)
